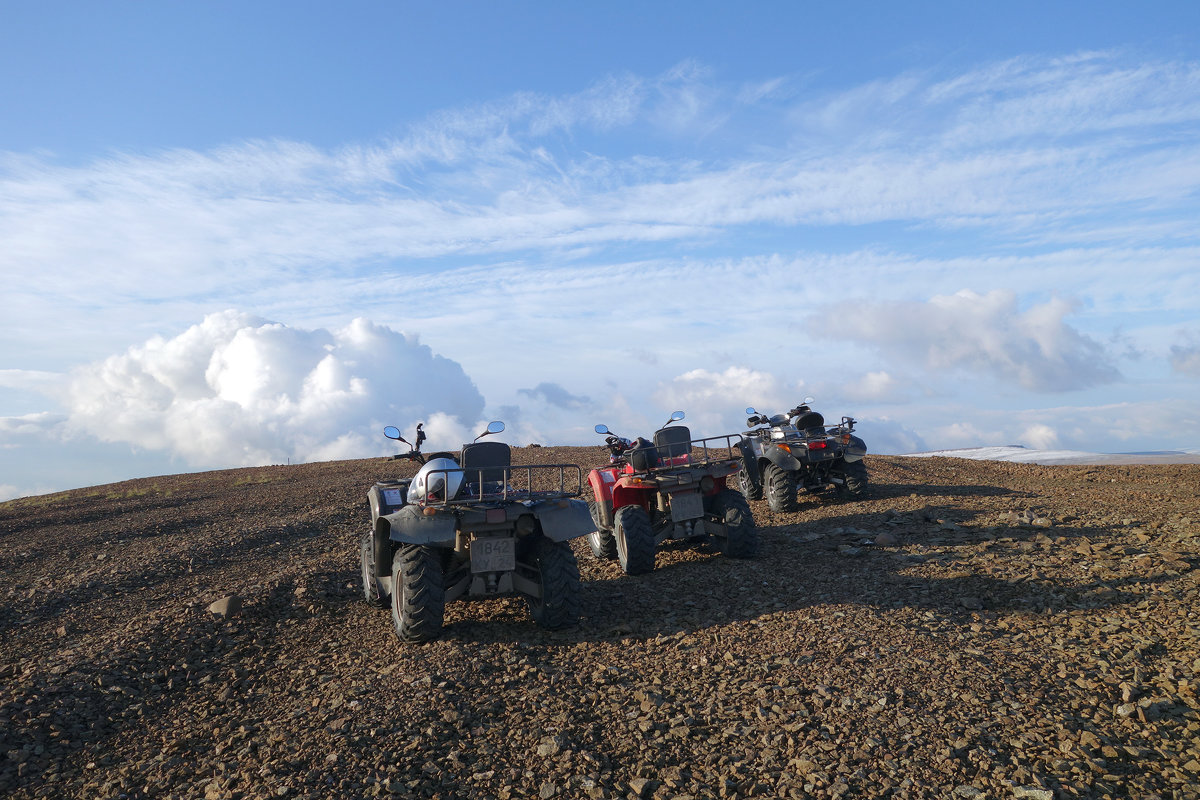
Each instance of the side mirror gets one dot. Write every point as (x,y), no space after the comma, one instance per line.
(392,432)
(676,416)
(750,410)
(493,427)
(808,401)
(602,428)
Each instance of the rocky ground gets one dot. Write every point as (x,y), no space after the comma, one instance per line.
(971,629)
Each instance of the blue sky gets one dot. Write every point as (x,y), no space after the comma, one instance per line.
(250,233)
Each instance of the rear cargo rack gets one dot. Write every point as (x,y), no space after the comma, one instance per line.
(535,482)
(698,452)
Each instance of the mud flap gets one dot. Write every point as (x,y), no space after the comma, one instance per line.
(561,522)
(410,526)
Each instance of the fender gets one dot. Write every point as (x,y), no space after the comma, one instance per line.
(750,461)
(624,494)
(781,458)
(410,526)
(601,482)
(386,497)
(855,450)
(561,521)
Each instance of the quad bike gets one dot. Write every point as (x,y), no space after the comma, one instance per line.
(797,451)
(472,527)
(651,492)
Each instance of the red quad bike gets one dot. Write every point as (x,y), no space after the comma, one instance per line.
(673,488)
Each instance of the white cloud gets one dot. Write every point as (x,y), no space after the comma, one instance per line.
(238,390)
(714,401)
(37,424)
(1040,437)
(985,334)
(873,387)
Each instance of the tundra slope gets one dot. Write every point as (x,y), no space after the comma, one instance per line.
(933,639)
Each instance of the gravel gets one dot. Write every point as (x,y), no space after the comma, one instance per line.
(969,629)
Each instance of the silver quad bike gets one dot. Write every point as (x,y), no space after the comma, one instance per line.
(473,526)
(786,453)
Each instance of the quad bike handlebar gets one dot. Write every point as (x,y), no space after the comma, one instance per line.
(414,450)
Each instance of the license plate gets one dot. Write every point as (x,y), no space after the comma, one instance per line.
(494,554)
(686,505)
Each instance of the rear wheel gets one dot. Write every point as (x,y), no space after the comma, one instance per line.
(635,540)
(558,574)
(601,540)
(741,534)
(372,592)
(856,478)
(780,488)
(750,486)
(418,594)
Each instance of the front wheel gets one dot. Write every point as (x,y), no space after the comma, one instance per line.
(750,486)
(418,594)
(635,540)
(741,534)
(780,488)
(372,592)
(558,575)
(601,540)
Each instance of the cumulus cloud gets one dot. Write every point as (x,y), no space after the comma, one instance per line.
(713,401)
(985,334)
(1040,437)
(239,390)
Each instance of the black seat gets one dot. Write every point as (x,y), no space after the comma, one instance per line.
(488,458)
(673,441)
(811,423)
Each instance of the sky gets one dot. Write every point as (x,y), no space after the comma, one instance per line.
(236,234)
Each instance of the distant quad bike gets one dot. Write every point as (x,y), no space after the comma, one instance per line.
(673,488)
(798,451)
(473,527)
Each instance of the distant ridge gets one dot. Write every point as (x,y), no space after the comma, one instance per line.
(1025,455)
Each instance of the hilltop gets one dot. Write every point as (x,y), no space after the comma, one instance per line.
(970,629)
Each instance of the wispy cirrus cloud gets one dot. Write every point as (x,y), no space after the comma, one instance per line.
(509,176)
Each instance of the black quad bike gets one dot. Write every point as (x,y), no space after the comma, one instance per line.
(673,488)
(798,451)
(473,527)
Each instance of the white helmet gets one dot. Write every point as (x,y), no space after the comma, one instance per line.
(441,486)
